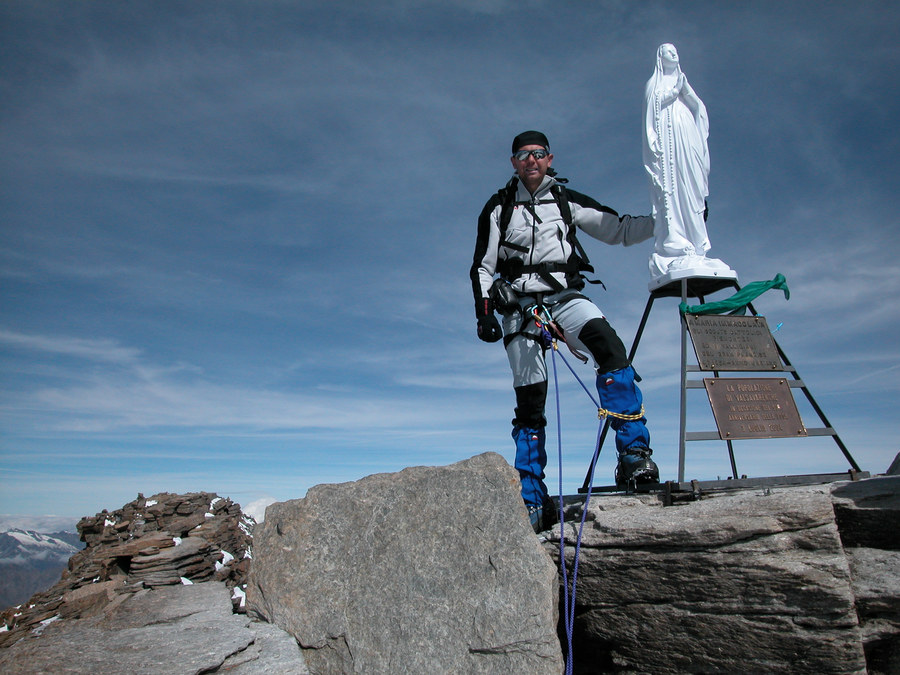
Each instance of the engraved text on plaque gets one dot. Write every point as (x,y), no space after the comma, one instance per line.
(741,343)
(754,408)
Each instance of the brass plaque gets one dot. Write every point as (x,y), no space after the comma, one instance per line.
(733,343)
(754,408)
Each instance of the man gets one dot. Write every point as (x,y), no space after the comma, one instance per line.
(526,238)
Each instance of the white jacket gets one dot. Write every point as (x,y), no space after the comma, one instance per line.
(538,235)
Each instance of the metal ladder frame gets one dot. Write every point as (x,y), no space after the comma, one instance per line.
(700,287)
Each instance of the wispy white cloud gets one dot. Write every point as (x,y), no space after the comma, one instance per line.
(90,349)
(131,392)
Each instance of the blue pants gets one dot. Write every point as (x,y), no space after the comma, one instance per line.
(531,458)
(619,393)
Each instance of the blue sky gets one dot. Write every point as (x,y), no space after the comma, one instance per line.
(236,235)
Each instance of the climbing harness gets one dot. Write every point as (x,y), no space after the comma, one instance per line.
(550,331)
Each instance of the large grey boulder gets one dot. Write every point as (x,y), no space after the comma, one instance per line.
(173,630)
(429,570)
(753,581)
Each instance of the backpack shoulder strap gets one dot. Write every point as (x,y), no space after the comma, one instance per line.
(562,200)
(507,196)
(565,210)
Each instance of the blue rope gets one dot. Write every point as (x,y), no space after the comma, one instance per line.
(569,600)
(586,390)
(562,538)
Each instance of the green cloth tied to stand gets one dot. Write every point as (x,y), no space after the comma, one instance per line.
(737,303)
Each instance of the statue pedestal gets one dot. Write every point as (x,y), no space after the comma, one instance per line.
(690,273)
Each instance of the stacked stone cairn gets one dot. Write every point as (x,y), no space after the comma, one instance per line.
(163,540)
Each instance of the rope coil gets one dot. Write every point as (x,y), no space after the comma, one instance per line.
(603,412)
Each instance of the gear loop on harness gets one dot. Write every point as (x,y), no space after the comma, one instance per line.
(551,332)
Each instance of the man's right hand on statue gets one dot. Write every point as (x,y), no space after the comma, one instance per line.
(489,328)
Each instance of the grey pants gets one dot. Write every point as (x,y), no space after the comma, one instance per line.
(570,310)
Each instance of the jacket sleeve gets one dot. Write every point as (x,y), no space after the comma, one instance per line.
(603,223)
(484,262)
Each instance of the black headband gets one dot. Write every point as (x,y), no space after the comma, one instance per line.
(530,138)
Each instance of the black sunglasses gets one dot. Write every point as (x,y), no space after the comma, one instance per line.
(522,155)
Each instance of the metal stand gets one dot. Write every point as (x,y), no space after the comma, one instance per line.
(700,287)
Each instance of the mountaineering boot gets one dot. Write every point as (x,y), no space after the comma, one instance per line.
(531,458)
(544,517)
(635,466)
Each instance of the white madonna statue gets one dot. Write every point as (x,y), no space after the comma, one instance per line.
(676,158)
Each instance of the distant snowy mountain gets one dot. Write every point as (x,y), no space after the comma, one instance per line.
(38,523)
(21,546)
(32,561)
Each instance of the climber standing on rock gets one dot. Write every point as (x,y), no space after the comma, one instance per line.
(529,263)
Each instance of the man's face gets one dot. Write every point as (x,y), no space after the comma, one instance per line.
(531,171)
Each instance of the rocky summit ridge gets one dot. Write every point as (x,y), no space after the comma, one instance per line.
(151,542)
(436,569)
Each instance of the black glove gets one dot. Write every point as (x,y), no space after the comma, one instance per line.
(489,328)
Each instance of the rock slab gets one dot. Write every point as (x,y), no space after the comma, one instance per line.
(868,518)
(177,630)
(755,581)
(432,569)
